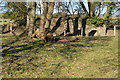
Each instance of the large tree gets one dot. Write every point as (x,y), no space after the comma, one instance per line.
(46,17)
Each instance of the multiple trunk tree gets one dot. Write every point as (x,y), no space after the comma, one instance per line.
(45,21)
(47,15)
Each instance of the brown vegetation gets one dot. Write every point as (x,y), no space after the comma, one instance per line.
(38,34)
(45,36)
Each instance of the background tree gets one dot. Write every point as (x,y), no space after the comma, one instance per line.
(16,11)
(111,9)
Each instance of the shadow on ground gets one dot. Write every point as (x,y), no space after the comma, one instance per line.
(19,48)
(37,44)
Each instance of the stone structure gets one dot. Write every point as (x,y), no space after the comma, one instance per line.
(104,31)
(113,31)
(61,26)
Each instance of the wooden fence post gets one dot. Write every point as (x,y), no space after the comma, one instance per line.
(115,30)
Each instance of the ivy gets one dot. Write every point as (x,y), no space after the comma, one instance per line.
(95,21)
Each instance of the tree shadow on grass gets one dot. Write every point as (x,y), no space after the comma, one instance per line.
(81,45)
(72,51)
(20,48)
(13,50)
(104,38)
(68,52)
(11,42)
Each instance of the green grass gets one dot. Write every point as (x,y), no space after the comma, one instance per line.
(83,57)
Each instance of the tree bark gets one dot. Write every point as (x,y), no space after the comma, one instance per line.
(91,6)
(108,13)
(46,18)
(83,6)
(31,17)
(47,15)
(83,28)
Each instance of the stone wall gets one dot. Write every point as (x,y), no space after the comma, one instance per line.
(110,32)
(101,31)
(96,31)
(59,26)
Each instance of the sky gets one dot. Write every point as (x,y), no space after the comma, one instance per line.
(84,1)
(2,10)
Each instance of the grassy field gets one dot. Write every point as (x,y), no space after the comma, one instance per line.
(81,57)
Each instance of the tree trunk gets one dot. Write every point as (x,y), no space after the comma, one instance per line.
(75,23)
(31,17)
(91,6)
(46,18)
(47,15)
(83,28)
(108,13)
(83,6)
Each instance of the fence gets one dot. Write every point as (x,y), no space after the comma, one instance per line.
(5,21)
